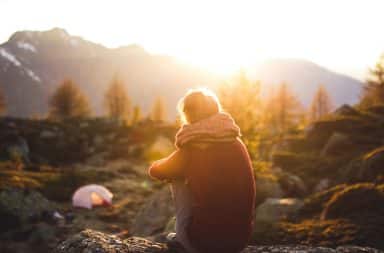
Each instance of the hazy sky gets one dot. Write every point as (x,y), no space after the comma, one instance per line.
(345,36)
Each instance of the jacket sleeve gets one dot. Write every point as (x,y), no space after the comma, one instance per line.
(168,168)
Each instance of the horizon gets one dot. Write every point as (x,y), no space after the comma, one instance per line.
(242,42)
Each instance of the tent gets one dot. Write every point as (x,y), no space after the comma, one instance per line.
(92,195)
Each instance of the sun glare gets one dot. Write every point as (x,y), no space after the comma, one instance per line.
(222,36)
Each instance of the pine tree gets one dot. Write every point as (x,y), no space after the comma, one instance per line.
(117,101)
(2,103)
(373,93)
(282,110)
(241,98)
(321,104)
(69,102)
(158,112)
(136,115)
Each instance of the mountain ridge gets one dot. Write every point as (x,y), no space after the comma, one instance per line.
(33,63)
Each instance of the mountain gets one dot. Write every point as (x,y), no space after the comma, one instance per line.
(33,63)
(304,77)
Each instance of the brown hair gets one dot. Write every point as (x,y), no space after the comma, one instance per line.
(198,104)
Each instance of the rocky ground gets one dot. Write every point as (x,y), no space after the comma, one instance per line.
(320,188)
(92,241)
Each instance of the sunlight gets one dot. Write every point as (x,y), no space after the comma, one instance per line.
(221,36)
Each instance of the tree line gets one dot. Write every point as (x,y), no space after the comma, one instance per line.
(279,111)
(68,101)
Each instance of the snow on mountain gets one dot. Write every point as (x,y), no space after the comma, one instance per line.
(10,57)
(26,46)
(33,75)
(49,57)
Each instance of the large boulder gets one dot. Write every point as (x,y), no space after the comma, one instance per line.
(89,241)
(346,110)
(319,132)
(154,215)
(322,185)
(15,147)
(275,210)
(19,207)
(355,202)
(315,203)
(365,169)
(336,144)
(292,185)
(373,165)
(267,186)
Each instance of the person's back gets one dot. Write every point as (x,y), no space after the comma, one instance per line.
(212,178)
(221,182)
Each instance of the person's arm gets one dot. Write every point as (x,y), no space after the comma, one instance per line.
(168,168)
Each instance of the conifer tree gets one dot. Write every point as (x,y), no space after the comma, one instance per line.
(136,115)
(68,102)
(116,100)
(373,93)
(282,110)
(159,111)
(241,98)
(321,104)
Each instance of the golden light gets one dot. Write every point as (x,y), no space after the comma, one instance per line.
(220,35)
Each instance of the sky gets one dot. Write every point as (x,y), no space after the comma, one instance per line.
(223,36)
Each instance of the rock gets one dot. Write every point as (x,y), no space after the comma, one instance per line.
(97,159)
(84,125)
(315,203)
(346,110)
(292,185)
(322,185)
(366,169)
(45,134)
(336,144)
(267,186)
(154,214)
(16,147)
(18,207)
(356,202)
(377,109)
(98,140)
(269,214)
(275,210)
(372,166)
(171,226)
(43,233)
(89,241)
(319,132)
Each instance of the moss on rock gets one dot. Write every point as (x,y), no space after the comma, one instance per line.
(355,201)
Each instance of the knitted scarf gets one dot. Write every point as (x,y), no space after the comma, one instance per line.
(216,128)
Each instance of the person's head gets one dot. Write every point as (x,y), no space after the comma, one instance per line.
(198,104)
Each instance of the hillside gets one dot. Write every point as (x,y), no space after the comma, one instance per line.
(33,63)
(304,77)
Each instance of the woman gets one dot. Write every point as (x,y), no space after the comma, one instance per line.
(212,178)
